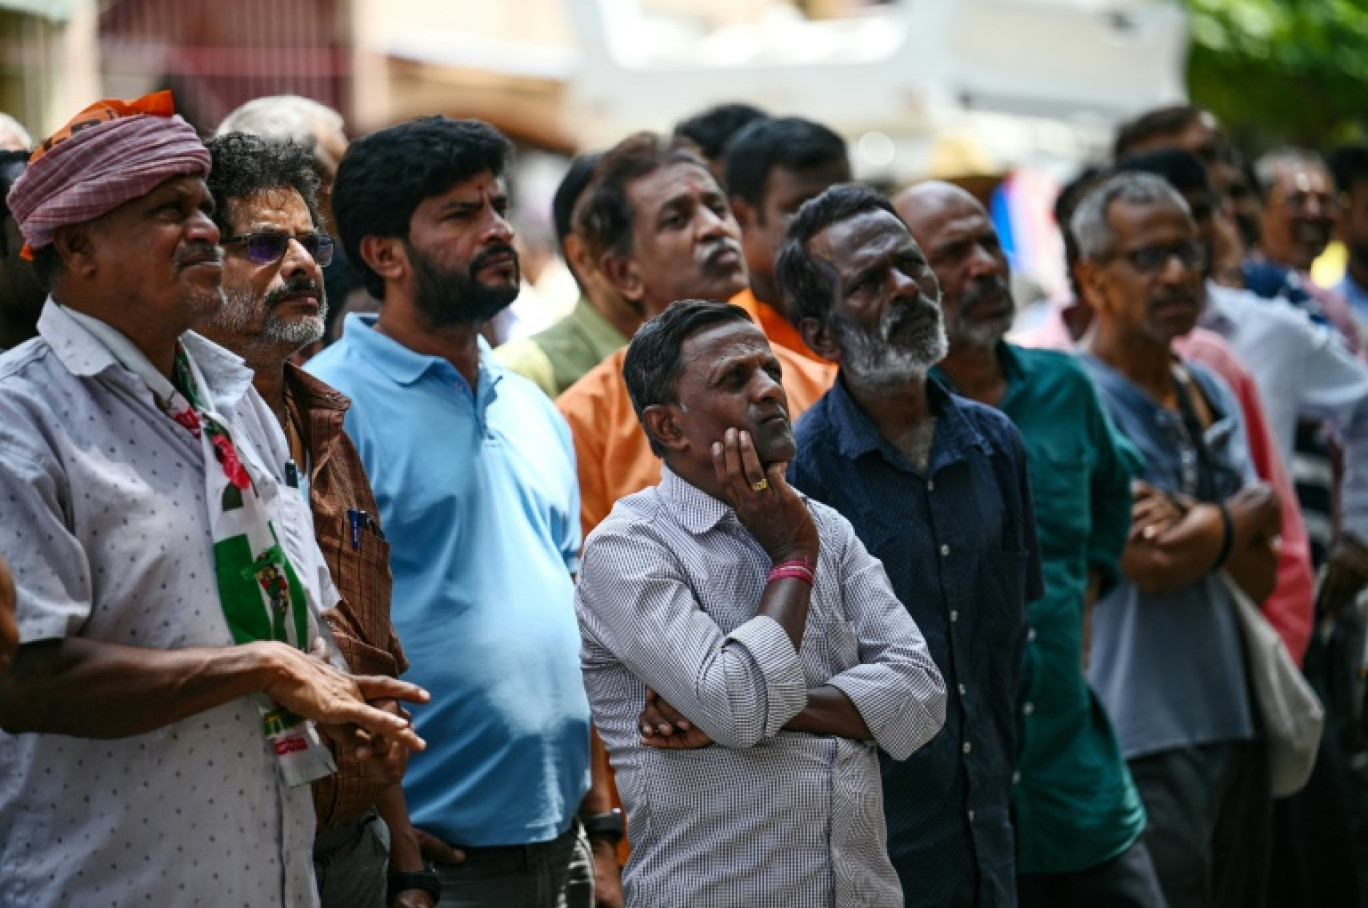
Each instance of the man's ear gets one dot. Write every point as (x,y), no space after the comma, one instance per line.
(746,215)
(385,255)
(1091,281)
(76,247)
(662,424)
(820,339)
(624,275)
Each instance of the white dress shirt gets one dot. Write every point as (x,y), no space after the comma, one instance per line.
(1303,371)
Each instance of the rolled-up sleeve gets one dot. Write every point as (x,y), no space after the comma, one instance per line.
(634,602)
(897,688)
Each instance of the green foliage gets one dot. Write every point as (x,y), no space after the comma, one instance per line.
(1282,71)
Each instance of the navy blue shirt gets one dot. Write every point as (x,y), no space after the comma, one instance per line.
(959,545)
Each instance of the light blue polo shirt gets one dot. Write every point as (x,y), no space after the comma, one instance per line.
(479,502)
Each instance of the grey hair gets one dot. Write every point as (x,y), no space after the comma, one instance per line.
(1089,224)
(286,117)
(8,123)
(1267,166)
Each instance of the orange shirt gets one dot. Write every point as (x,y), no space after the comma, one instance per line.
(777,328)
(612,454)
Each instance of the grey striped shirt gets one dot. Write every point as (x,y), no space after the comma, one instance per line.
(668,589)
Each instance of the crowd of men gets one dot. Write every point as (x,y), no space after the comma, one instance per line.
(773,574)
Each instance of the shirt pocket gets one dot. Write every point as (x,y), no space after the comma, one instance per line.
(1060,495)
(361,574)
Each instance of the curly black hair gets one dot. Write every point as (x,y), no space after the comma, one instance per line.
(388,174)
(244,165)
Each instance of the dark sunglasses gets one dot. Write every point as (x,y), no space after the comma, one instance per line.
(269,248)
(1151,259)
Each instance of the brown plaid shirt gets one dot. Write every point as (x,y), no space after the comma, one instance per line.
(361,621)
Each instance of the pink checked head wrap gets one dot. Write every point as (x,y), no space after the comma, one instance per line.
(110,153)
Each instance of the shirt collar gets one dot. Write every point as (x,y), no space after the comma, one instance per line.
(84,354)
(857,435)
(402,365)
(694,509)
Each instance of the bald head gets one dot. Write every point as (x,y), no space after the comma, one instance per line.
(961,245)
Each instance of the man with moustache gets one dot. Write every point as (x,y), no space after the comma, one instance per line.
(167,583)
(936,488)
(265,195)
(748,616)
(1077,814)
(473,472)
(657,226)
(1167,657)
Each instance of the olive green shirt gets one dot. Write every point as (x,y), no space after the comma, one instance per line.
(556,358)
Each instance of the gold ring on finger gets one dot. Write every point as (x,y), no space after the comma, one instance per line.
(760,486)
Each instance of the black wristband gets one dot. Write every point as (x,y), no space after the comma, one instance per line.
(608,826)
(422,880)
(1227,539)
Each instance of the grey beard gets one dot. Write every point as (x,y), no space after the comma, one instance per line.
(234,317)
(877,364)
(981,335)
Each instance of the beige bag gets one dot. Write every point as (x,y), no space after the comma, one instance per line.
(1291,712)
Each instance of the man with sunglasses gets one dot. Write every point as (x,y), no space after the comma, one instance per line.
(1167,658)
(21,293)
(274,252)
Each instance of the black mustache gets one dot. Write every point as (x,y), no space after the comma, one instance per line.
(295,287)
(982,289)
(503,250)
(198,254)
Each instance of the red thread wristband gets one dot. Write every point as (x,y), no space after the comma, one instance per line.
(796,569)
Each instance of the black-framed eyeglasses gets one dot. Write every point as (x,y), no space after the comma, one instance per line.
(1152,259)
(267,248)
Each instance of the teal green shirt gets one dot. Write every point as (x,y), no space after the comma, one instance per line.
(558,357)
(1074,803)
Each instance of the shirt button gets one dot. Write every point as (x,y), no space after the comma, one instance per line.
(945,550)
(1031,635)
(967,747)
(963,690)
(954,616)
(1028,707)
(930,485)
(971,816)
(1016,778)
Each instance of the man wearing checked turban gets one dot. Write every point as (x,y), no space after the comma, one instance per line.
(160,718)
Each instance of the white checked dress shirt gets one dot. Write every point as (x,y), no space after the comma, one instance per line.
(107,533)
(667,594)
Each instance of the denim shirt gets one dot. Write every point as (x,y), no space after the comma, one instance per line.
(1170,669)
(959,544)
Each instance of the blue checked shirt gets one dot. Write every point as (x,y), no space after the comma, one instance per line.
(764,817)
(959,543)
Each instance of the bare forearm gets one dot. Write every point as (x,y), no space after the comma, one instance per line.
(599,798)
(92,689)
(1254,567)
(830,712)
(786,601)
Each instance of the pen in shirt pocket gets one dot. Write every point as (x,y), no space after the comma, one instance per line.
(354,518)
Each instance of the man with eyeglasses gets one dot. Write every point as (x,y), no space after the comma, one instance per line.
(274,253)
(1167,658)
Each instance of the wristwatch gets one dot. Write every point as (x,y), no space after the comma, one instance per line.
(607,826)
(425,880)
